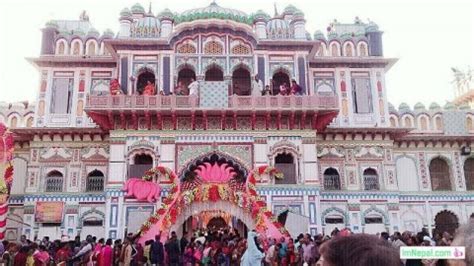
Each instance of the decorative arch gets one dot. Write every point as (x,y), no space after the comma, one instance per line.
(322,51)
(62,47)
(284,146)
(76,47)
(331,179)
(240,49)
(241,79)
(362,49)
(224,157)
(214,72)
(92,47)
(423,122)
(408,120)
(337,210)
(54,181)
(440,173)
(374,209)
(470,122)
(371,178)
(393,121)
(418,218)
(349,49)
(406,175)
(90,212)
(14,120)
(469,173)
(334,48)
(437,122)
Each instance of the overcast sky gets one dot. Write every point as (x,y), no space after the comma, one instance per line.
(428,37)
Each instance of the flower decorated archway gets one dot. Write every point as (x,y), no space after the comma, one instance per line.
(6,174)
(213,190)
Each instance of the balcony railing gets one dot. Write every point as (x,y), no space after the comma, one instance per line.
(235,102)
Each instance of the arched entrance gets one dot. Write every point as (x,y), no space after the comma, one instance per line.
(285,162)
(446,221)
(143,79)
(214,73)
(278,79)
(241,81)
(185,75)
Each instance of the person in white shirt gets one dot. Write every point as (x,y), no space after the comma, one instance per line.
(194,88)
(257,87)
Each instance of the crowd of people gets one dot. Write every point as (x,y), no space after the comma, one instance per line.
(227,247)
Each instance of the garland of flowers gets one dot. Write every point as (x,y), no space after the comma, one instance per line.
(157,171)
(267,170)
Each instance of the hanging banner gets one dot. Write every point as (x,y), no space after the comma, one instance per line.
(49,212)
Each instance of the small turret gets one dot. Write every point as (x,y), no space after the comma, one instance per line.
(374,35)
(125,23)
(260,19)
(49,35)
(166,18)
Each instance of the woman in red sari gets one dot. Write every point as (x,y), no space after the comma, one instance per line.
(149,88)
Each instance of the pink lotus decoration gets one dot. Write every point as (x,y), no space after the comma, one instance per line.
(142,189)
(215,173)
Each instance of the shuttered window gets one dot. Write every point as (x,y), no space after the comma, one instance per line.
(362,95)
(61,96)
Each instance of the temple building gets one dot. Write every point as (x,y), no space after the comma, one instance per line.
(112,105)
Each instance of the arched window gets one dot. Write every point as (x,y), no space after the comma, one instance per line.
(423,123)
(91,48)
(214,73)
(321,50)
(95,181)
(348,49)
(393,122)
(14,122)
(29,122)
(186,48)
(143,79)
(213,47)
(407,121)
(363,51)
(438,123)
(241,81)
(278,79)
(469,173)
(331,179)
(285,162)
(76,48)
(141,163)
(240,49)
(371,179)
(61,48)
(440,175)
(54,182)
(335,49)
(185,76)
(469,123)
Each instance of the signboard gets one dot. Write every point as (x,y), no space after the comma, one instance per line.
(49,212)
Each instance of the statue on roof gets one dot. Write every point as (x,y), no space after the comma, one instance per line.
(462,79)
(84,16)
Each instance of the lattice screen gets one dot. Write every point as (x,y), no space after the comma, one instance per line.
(213,47)
(186,49)
(240,49)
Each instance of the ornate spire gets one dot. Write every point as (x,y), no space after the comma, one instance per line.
(149,8)
(275,6)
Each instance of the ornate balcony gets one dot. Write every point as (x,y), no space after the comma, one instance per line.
(226,113)
(190,103)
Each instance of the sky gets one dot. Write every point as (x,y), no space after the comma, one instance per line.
(427,36)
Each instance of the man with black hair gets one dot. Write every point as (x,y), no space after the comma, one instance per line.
(173,250)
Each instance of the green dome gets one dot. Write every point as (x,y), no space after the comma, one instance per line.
(138,9)
(371,27)
(319,35)
(125,13)
(290,10)
(449,106)
(346,36)
(260,15)
(332,35)
(404,107)
(165,14)
(298,15)
(108,33)
(214,11)
(359,34)
(434,107)
(278,28)
(52,24)
(146,27)
(93,32)
(391,108)
(78,32)
(419,107)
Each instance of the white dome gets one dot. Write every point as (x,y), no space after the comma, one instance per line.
(146,27)
(278,28)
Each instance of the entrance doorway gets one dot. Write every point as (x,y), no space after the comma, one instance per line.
(241,81)
(143,79)
(280,78)
(214,74)
(213,221)
(185,75)
(446,221)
